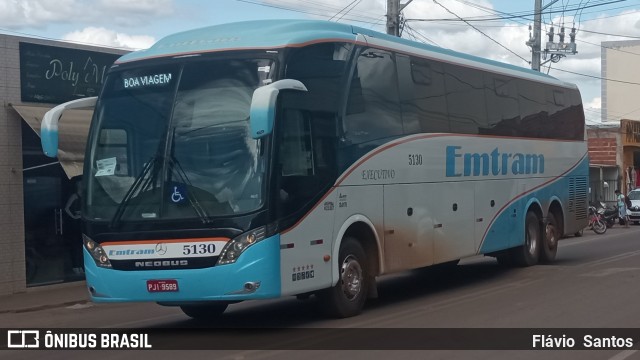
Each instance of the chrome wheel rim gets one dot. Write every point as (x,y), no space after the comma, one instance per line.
(532,238)
(351,277)
(551,235)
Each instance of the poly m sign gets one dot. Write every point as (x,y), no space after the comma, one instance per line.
(50,74)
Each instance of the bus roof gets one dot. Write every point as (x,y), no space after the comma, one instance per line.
(273,34)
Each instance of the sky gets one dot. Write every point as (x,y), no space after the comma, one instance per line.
(137,24)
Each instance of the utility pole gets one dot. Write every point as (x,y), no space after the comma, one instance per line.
(394,8)
(534,41)
(556,50)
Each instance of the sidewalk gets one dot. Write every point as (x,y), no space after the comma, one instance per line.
(45,297)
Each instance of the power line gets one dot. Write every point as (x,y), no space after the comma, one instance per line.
(421,35)
(598,77)
(480,31)
(522,15)
(346,12)
(343,9)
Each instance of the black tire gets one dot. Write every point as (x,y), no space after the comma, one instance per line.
(504,260)
(599,227)
(209,311)
(550,240)
(347,297)
(578,233)
(528,254)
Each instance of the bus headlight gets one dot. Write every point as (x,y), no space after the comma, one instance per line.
(238,245)
(97,252)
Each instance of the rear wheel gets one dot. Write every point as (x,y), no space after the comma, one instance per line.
(578,233)
(528,254)
(205,311)
(347,297)
(550,240)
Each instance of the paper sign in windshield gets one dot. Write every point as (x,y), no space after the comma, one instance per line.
(106,166)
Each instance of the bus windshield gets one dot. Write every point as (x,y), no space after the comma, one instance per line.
(172,142)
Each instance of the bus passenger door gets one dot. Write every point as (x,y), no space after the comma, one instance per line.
(408,227)
(453,222)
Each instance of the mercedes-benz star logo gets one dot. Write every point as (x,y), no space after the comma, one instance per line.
(161,248)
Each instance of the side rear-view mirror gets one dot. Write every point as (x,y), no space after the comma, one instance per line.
(263,106)
(49,126)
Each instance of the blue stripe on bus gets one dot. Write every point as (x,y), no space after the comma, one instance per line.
(505,232)
(259,263)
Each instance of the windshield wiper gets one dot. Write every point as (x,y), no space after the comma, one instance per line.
(135,186)
(193,200)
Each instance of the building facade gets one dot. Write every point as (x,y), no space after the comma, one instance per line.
(619,61)
(39,241)
(614,145)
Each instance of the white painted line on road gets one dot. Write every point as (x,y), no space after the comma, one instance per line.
(623,355)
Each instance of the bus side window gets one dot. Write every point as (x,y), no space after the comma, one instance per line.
(533,110)
(373,109)
(502,106)
(465,99)
(422,95)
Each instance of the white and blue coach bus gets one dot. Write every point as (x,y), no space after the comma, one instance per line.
(265,159)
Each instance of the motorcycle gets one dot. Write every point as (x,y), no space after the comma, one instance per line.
(595,221)
(608,214)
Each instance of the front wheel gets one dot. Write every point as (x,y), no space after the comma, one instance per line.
(205,311)
(599,227)
(347,297)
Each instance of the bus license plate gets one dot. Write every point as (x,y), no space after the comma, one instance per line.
(162,285)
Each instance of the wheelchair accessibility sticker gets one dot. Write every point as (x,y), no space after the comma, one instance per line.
(178,193)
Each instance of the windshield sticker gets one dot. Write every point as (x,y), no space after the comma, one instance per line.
(265,69)
(140,81)
(178,193)
(106,167)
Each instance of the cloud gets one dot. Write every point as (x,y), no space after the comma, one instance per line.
(36,13)
(151,7)
(110,38)
(21,14)
(595,103)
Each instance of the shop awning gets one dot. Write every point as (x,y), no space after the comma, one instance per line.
(73,130)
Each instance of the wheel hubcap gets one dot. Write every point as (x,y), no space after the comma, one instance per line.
(532,238)
(351,277)
(551,235)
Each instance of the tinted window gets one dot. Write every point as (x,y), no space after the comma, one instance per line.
(503,114)
(533,109)
(422,95)
(373,109)
(565,114)
(321,69)
(465,99)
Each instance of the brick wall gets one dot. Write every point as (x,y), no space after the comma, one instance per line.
(602,151)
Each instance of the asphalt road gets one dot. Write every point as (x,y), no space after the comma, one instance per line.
(592,285)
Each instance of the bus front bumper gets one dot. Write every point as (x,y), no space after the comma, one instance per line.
(259,265)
